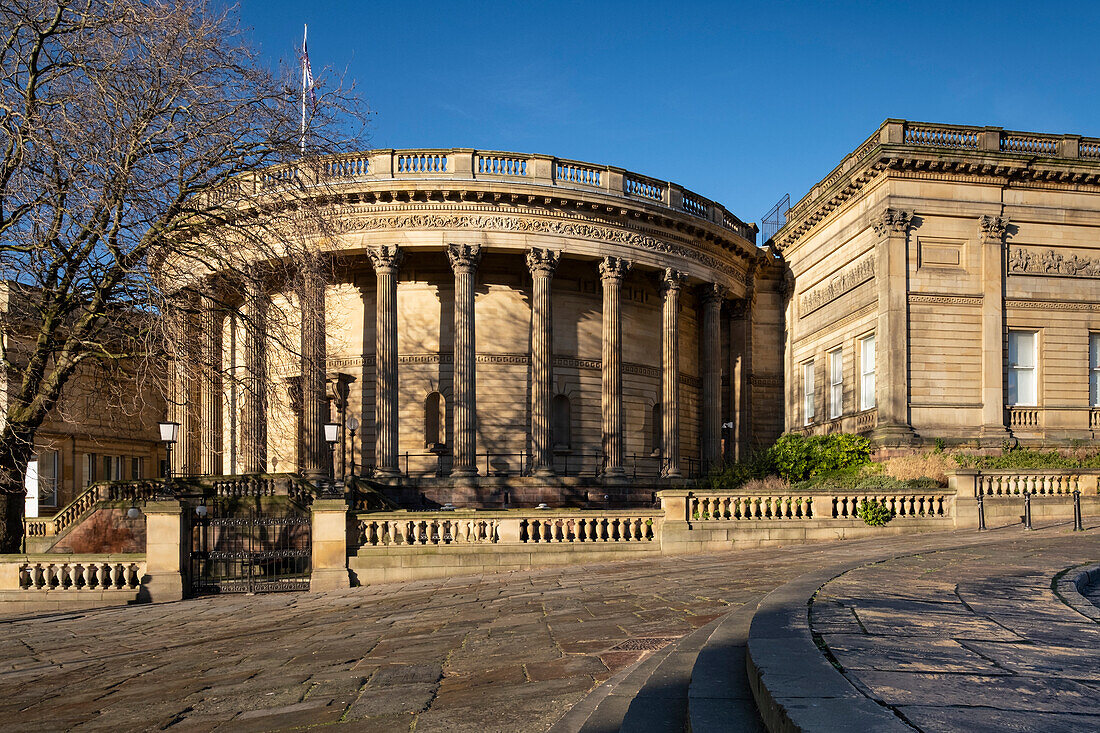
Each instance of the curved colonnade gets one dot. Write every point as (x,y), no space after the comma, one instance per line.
(491,320)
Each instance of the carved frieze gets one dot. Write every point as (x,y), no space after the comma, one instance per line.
(855,274)
(1022,261)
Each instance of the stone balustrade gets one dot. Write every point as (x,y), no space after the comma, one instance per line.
(526,527)
(737,506)
(1043,483)
(470,165)
(71,572)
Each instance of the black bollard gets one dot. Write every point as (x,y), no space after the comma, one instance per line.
(1077,525)
(981,510)
(1027,509)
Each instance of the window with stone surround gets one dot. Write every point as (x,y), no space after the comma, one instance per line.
(435,415)
(1023,383)
(836,383)
(1094,369)
(808,392)
(867,372)
(561,423)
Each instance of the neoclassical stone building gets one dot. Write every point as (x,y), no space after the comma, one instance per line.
(502,327)
(946,284)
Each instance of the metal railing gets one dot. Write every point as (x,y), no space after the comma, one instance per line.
(593,464)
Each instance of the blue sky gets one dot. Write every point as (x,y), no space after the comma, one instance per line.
(740,102)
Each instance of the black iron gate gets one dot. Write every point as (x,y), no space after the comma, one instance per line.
(250,551)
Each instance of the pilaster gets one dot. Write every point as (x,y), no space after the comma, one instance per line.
(541,263)
(892,334)
(993,230)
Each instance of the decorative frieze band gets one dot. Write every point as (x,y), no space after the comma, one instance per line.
(1022,261)
(540,226)
(854,275)
(947,299)
(1050,305)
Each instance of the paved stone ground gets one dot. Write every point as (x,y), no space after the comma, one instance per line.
(507,652)
(970,639)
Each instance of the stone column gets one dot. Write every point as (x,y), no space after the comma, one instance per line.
(741,314)
(254,381)
(185,407)
(387,260)
(892,333)
(464,260)
(211,387)
(993,230)
(612,271)
(671,283)
(315,453)
(712,296)
(541,263)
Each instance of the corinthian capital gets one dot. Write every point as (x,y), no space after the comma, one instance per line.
(542,261)
(993,228)
(892,221)
(464,256)
(386,257)
(672,280)
(712,293)
(614,268)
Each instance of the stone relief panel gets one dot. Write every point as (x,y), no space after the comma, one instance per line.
(828,291)
(1023,261)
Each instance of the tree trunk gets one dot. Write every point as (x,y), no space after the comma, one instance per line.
(15,452)
(11,520)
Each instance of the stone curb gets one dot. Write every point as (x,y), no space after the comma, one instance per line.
(1069,586)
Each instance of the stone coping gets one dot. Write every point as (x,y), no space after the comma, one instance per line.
(1070,584)
(73,557)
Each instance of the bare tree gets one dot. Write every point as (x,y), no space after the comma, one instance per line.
(128,130)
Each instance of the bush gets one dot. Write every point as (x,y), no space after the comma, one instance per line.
(934,465)
(1026,458)
(797,457)
(873,513)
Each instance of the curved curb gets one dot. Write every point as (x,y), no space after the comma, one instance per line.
(1068,585)
(795,686)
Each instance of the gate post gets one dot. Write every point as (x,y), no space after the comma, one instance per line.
(164,548)
(329,525)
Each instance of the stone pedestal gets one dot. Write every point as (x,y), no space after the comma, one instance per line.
(965,484)
(164,552)
(328,519)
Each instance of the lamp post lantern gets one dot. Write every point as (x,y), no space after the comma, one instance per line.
(332,435)
(169,435)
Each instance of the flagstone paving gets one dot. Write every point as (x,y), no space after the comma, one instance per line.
(515,651)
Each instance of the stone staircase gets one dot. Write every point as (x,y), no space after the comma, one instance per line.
(697,684)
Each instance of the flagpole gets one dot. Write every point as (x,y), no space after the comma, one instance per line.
(302,142)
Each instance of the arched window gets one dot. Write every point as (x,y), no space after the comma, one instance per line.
(561,423)
(435,419)
(655,432)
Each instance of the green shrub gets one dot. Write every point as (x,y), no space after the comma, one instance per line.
(798,457)
(1027,458)
(873,513)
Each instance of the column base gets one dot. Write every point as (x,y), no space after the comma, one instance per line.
(615,476)
(329,579)
(386,473)
(544,472)
(894,435)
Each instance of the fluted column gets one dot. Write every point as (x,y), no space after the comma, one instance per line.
(464,260)
(211,388)
(254,381)
(892,336)
(670,373)
(186,408)
(387,260)
(541,263)
(311,302)
(712,297)
(993,230)
(612,271)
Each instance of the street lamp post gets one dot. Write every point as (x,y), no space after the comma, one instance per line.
(169,435)
(332,435)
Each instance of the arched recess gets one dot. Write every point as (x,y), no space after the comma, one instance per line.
(561,423)
(435,420)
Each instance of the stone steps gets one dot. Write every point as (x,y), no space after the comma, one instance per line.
(697,685)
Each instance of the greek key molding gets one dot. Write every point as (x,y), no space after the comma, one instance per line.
(766,381)
(974,300)
(1023,261)
(508,223)
(1052,305)
(848,279)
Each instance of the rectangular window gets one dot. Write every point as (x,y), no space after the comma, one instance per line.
(88,470)
(1022,368)
(836,384)
(1094,369)
(49,463)
(867,373)
(137,467)
(808,393)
